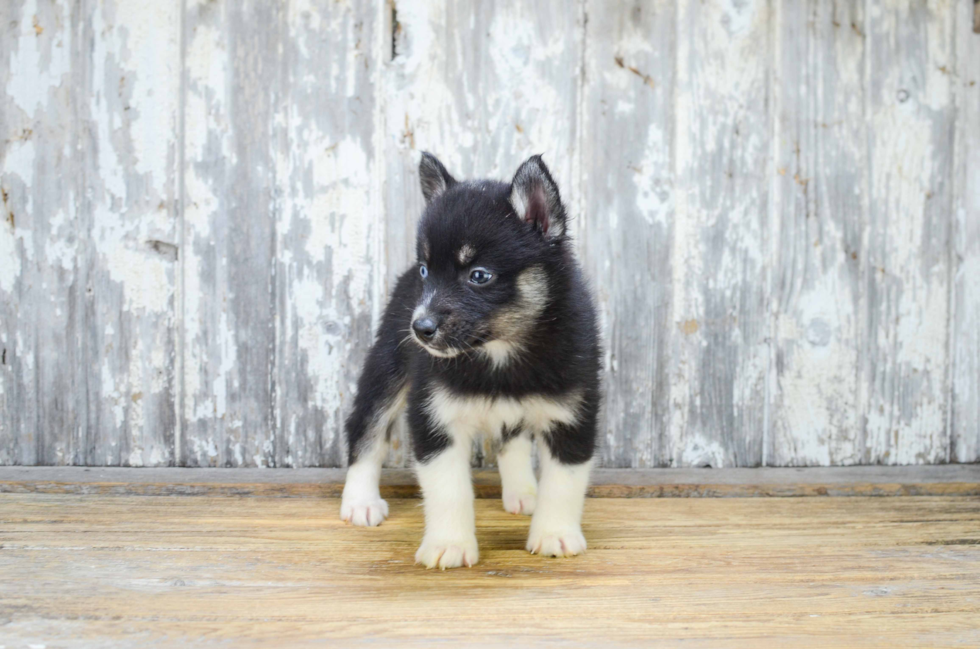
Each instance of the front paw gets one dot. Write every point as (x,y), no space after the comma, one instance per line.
(519,503)
(364,513)
(448,553)
(556,543)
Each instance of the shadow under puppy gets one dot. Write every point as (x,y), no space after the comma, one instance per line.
(491,332)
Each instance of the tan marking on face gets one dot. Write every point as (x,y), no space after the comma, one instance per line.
(466,254)
(425,250)
(510,325)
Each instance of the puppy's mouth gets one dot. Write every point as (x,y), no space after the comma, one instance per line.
(437,348)
(446,352)
(443,348)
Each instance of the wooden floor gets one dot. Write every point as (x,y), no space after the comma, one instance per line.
(233,571)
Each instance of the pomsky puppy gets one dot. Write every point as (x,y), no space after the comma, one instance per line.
(492,332)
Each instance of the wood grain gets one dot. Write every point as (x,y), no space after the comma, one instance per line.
(233,70)
(626,225)
(853,572)
(88,235)
(719,352)
(41,324)
(964,424)
(943,480)
(820,216)
(204,204)
(910,109)
(329,228)
(127,202)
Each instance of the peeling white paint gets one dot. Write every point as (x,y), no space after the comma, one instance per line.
(38,65)
(964,412)
(146,279)
(706,171)
(907,404)
(817,422)
(698,451)
(655,197)
(9,259)
(336,215)
(155,54)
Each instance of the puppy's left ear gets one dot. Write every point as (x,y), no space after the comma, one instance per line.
(433,177)
(535,198)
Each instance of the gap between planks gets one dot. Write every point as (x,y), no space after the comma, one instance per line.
(943,480)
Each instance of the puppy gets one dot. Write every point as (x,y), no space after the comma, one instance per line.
(491,332)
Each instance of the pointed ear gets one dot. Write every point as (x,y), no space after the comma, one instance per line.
(535,198)
(433,177)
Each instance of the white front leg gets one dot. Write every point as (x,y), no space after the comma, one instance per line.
(520,488)
(361,503)
(556,529)
(450,525)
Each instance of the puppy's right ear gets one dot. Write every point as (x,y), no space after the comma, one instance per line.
(433,177)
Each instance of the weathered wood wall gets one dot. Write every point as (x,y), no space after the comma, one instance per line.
(204,205)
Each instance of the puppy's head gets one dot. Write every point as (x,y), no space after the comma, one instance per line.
(483,248)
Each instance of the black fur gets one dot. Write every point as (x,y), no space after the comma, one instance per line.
(433,177)
(559,345)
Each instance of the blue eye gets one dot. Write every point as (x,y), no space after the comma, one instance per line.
(423,271)
(480,276)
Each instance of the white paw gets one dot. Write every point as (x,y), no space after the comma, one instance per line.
(519,503)
(448,554)
(556,543)
(365,513)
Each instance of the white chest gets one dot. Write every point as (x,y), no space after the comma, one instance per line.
(472,416)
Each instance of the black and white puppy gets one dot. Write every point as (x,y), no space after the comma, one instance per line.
(492,332)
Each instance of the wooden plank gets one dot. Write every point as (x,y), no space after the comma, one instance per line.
(965,389)
(329,227)
(720,326)
(817,572)
(90,174)
(128,86)
(911,110)
(627,222)
(962,480)
(820,215)
(233,84)
(483,87)
(41,325)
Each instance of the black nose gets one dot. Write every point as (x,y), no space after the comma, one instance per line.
(425,327)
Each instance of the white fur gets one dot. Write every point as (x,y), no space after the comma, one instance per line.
(361,503)
(423,305)
(447,353)
(475,415)
(450,527)
(447,489)
(517,200)
(519,486)
(420,312)
(499,352)
(556,528)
